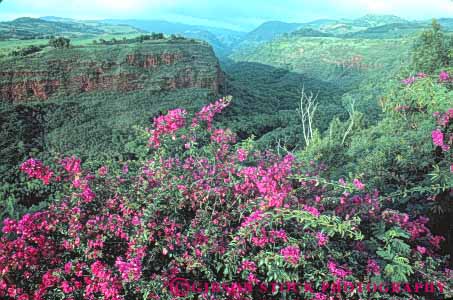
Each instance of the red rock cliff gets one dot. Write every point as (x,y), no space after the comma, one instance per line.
(110,68)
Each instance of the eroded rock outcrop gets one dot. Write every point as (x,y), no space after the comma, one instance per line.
(163,66)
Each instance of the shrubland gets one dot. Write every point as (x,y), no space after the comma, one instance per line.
(197,205)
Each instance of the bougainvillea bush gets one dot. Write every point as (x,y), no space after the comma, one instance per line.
(202,207)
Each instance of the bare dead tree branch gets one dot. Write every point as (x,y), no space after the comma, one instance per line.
(351,112)
(307,109)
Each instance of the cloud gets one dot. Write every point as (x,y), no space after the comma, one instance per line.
(245,13)
(76,8)
(415,9)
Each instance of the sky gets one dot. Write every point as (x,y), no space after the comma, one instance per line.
(233,14)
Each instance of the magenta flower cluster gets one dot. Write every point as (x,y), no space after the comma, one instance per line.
(217,213)
(410,80)
(167,124)
(444,76)
(443,136)
(35,169)
(291,254)
(209,111)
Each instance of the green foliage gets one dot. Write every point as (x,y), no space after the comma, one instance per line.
(388,31)
(395,252)
(397,153)
(96,124)
(138,39)
(397,157)
(59,43)
(391,150)
(309,32)
(27,50)
(340,69)
(432,50)
(266,99)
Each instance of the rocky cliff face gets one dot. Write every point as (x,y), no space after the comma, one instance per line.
(123,68)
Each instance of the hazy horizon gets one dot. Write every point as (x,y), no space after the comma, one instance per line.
(243,16)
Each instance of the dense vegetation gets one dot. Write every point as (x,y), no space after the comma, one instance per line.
(338,166)
(266,100)
(195,208)
(396,155)
(96,105)
(343,71)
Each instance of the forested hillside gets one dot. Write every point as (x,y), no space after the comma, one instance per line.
(343,72)
(85,100)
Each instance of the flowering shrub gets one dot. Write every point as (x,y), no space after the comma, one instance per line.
(443,136)
(202,208)
(35,169)
(444,76)
(410,80)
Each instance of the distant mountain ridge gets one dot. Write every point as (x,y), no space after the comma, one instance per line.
(371,20)
(368,26)
(224,41)
(269,30)
(32,28)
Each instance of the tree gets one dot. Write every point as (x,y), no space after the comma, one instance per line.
(431,50)
(306,111)
(59,43)
(157,36)
(351,112)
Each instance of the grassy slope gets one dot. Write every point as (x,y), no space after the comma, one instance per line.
(31,28)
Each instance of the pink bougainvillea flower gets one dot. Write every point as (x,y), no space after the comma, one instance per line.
(409,80)
(35,169)
(241,155)
(322,239)
(373,267)
(337,271)
(444,76)
(312,210)
(358,184)
(167,124)
(421,75)
(291,254)
(438,137)
(208,112)
(421,250)
(72,165)
(103,171)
